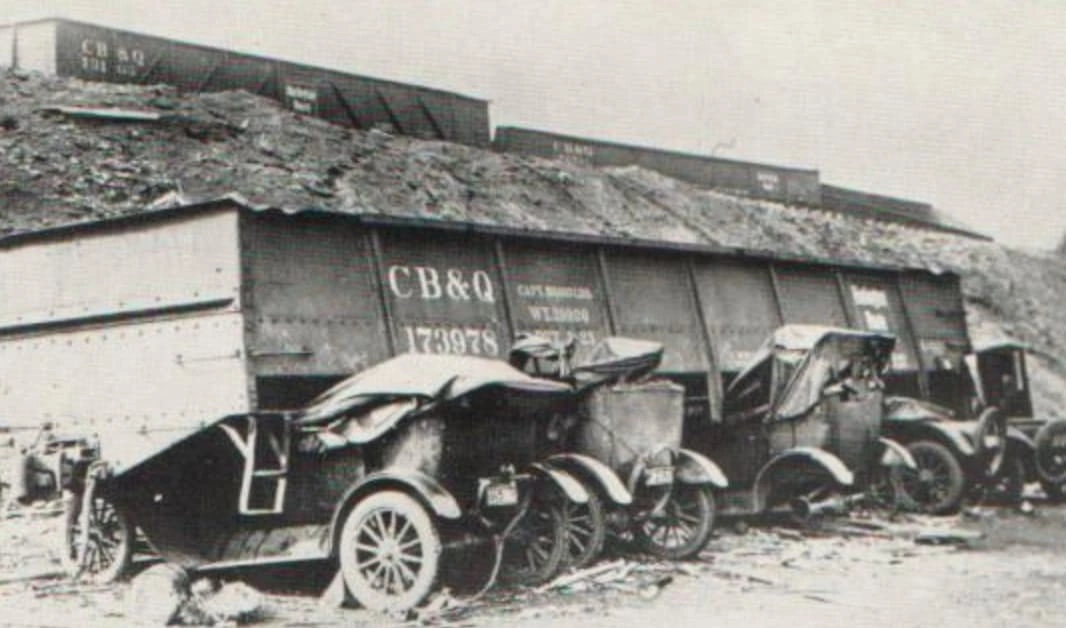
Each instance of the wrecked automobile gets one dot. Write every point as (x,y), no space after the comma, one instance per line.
(621,436)
(802,424)
(382,474)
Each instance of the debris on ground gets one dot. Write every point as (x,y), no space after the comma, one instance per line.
(164,595)
(948,537)
(210,603)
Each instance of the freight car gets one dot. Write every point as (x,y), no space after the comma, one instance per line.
(776,183)
(96,53)
(219,309)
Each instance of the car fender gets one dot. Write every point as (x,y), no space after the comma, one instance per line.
(694,468)
(946,431)
(896,454)
(1018,443)
(427,490)
(594,470)
(808,455)
(567,483)
(1018,439)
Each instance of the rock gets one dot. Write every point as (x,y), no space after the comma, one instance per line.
(157,594)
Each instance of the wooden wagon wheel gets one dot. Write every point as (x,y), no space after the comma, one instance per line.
(97,536)
(586,530)
(537,546)
(389,552)
(680,526)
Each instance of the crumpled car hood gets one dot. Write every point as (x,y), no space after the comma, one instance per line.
(908,409)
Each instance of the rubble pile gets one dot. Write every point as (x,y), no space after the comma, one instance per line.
(137,148)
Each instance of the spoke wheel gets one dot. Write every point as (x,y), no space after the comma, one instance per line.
(536,549)
(104,553)
(1050,442)
(937,485)
(682,526)
(389,552)
(586,529)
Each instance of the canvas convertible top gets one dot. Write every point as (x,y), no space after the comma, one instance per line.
(423,378)
(804,359)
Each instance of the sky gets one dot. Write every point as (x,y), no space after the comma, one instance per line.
(957,104)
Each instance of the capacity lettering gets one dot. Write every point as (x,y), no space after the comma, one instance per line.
(557,314)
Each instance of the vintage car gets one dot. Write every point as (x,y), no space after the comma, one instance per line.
(622,436)
(802,424)
(955,456)
(1036,446)
(384,473)
(978,438)
(992,383)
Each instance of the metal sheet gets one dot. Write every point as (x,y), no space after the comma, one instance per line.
(444,294)
(313,307)
(875,305)
(164,374)
(739,306)
(809,295)
(556,291)
(180,262)
(651,299)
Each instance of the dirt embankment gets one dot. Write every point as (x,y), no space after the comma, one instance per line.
(56,168)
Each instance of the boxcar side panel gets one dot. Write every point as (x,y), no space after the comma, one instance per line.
(739,306)
(555,291)
(809,295)
(34,46)
(7,46)
(314,308)
(934,304)
(252,74)
(876,305)
(166,372)
(651,298)
(444,294)
(185,263)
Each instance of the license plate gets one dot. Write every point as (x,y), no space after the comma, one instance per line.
(501,494)
(657,476)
